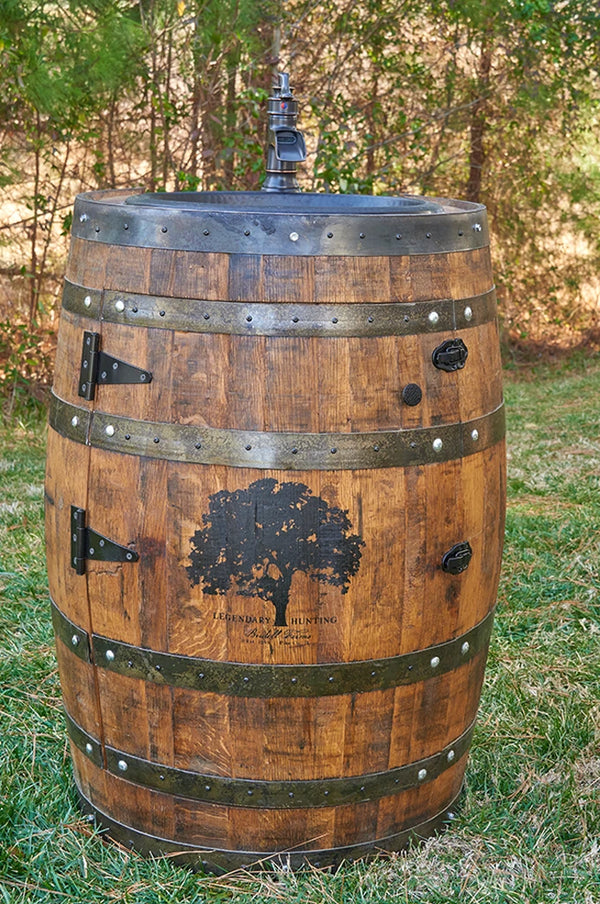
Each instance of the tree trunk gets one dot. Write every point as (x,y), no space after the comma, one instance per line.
(478,125)
(280,600)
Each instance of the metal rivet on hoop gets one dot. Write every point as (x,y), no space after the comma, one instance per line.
(468,313)
(75,421)
(422,774)
(434,317)
(474,435)
(87,301)
(435,661)
(110,656)
(122,765)
(450,756)
(294,236)
(437,445)
(465,648)
(109,430)
(119,305)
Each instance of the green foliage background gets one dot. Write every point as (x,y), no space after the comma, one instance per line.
(494,101)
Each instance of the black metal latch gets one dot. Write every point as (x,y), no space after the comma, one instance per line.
(450,355)
(98,367)
(87,544)
(457,559)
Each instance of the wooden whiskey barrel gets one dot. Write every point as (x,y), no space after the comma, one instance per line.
(275,495)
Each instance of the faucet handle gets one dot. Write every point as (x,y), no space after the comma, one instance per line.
(284,85)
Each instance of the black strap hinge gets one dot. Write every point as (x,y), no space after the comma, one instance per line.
(87,544)
(98,367)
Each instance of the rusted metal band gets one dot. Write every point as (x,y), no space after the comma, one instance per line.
(250,318)
(73,637)
(221,861)
(84,741)
(256,223)
(272,795)
(267,681)
(238,679)
(281,451)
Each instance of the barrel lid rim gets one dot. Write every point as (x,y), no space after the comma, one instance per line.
(285,205)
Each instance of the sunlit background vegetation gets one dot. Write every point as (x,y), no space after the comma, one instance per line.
(494,101)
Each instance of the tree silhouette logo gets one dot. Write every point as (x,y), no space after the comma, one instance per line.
(255,540)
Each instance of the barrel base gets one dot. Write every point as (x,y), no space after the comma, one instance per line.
(219,862)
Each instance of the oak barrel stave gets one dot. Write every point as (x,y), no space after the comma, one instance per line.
(398,602)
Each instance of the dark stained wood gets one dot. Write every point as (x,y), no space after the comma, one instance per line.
(399,600)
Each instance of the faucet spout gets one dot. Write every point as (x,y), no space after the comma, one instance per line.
(285,143)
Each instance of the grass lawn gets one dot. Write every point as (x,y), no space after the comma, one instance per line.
(528,831)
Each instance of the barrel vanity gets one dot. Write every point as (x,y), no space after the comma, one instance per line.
(274,508)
